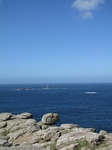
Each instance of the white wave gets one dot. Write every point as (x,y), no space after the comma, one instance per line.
(91,92)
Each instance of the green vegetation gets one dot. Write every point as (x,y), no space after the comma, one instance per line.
(53,146)
(82,144)
(5,132)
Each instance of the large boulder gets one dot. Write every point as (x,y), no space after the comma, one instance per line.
(50,118)
(5,116)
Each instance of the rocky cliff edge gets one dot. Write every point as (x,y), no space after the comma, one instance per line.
(22,132)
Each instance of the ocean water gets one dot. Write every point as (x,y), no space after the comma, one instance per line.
(89,105)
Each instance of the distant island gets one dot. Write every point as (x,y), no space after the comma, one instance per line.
(22,132)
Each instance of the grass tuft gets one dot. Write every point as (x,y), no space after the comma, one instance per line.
(5,133)
(82,144)
(53,146)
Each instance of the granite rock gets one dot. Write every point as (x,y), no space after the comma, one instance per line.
(19,132)
(50,119)
(5,116)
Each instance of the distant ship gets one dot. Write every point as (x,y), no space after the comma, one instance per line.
(23,89)
(46,88)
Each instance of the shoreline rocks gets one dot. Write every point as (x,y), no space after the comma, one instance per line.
(19,132)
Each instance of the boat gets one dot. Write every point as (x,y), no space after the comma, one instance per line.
(46,88)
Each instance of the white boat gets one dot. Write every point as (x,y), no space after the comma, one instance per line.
(46,88)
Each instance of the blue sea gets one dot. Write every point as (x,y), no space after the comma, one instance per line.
(88,105)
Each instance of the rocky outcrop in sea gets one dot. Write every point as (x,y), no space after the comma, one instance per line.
(22,132)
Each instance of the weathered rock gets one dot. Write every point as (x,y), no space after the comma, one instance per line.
(24,148)
(31,122)
(102,132)
(83,129)
(4,137)
(70,147)
(24,138)
(16,128)
(5,116)
(22,132)
(3,124)
(90,129)
(70,138)
(2,130)
(32,129)
(31,125)
(85,148)
(16,123)
(37,137)
(50,119)
(25,115)
(73,137)
(69,126)
(44,127)
(3,142)
(49,145)
(41,125)
(51,134)
(94,138)
(13,136)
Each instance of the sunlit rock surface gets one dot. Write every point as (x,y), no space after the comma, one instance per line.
(22,132)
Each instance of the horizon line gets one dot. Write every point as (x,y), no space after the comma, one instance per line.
(59,83)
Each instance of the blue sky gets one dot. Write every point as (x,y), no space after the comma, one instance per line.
(55,41)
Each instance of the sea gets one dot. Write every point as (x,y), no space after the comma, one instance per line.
(86,104)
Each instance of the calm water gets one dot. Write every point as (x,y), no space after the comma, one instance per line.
(69,100)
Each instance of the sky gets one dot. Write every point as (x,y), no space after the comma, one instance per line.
(61,41)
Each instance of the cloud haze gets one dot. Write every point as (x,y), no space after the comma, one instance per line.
(87,15)
(85,7)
